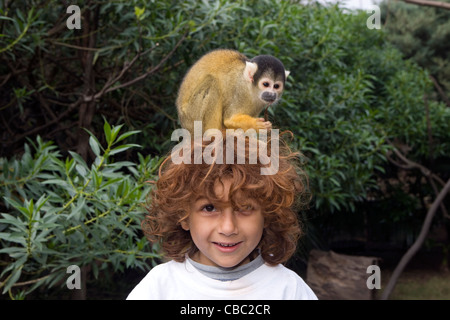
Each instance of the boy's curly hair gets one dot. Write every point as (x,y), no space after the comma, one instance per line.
(279,195)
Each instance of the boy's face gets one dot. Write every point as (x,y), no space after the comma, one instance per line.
(225,236)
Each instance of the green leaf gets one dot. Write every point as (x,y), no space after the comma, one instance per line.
(12,202)
(114,132)
(126,135)
(130,260)
(139,12)
(107,130)
(123,148)
(69,164)
(14,251)
(76,211)
(93,142)
(78,158)
(336,183)
(15,275)
(110,182)
(96,178)
(6,18)
(22,209)
(41,201)
(13,238)
(81,170)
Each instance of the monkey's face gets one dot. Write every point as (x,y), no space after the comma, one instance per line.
(269,76)
(270,89)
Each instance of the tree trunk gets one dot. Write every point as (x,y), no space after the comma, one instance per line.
(87,109)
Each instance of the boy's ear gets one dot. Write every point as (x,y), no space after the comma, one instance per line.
(185,225)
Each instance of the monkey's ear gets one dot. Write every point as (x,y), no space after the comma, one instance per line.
(286,73)
(250,70)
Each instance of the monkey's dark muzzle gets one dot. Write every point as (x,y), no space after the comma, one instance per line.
(269,97)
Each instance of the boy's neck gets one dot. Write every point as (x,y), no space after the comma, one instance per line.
(229,274)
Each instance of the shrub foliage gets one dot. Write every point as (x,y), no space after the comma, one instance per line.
(351,97)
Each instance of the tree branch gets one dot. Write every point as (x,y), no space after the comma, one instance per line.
(26,283)
(409,164)
(52,122)
(440,91)
(113,79)
(417,244)
(427,3)
(141,77)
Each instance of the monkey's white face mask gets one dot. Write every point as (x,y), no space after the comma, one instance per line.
(270,88)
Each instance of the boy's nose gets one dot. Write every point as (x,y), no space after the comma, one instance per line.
(228,224)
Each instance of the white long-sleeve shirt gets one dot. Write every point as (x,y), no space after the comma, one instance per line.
(182,281)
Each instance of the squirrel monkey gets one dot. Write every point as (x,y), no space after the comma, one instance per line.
(225,90)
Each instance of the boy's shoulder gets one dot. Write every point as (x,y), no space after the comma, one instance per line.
(287,274)
(159,276)
(162,268)
(290,280)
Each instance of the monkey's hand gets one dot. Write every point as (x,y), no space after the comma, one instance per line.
(245,122)
(262,124)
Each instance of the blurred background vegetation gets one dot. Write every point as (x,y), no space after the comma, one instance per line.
(87,114)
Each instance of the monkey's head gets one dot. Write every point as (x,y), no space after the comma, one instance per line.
(268,76)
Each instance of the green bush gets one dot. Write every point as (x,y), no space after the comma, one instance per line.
(349,92)
(64,212)
(422,34)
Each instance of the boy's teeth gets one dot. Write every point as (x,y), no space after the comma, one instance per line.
(227,245)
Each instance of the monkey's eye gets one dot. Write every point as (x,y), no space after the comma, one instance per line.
(266,84)
(276,86)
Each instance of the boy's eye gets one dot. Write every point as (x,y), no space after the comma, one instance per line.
(247,208)
(209,208)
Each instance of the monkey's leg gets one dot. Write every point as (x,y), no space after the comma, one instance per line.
(200,103)
(211,105)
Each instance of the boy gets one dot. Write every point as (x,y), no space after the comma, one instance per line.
(226,228)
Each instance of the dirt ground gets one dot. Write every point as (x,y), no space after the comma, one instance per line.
(420,285)
(424,278)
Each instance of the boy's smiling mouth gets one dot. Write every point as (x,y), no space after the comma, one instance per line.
(227,247)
